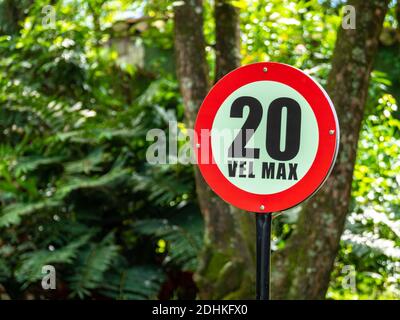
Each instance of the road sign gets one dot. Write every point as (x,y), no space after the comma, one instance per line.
(267,136)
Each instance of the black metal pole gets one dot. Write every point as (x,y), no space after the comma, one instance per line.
(263,225)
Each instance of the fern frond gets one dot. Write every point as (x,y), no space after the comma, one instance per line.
(87,164)
(91,266)
(30,266)
(183,245)
(12,214)
(5,271)
(106,181)
(28,164)
(136,283)
(160,186)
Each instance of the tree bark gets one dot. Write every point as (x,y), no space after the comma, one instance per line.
(398,14)
(227,33)
(12,13)
(228,245)
(11,17)
(302,269)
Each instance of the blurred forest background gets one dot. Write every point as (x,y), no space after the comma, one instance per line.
(81,83)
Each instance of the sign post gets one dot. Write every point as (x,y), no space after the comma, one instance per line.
(263,229)
(267,137)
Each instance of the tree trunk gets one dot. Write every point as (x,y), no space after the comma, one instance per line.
(10,18)
(302,269)
(229,234)
(227,33)
(12,13)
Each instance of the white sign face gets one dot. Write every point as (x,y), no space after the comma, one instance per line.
(264,137)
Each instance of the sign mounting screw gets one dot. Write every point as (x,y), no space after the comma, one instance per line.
(198,145)
(262,207)
(265,69)
(331,132)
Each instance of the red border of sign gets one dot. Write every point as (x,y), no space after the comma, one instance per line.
(326,117)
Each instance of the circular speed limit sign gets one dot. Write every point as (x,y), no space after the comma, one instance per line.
(267,136)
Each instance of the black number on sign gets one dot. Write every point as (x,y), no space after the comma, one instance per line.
(292,134)
(274,124)
(237,148)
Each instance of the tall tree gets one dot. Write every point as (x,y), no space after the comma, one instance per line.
(227,33)
(229,234)
(11,15)
(302,269)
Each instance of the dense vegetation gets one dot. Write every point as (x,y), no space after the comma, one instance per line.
(78,95)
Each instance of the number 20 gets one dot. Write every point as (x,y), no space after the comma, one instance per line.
(273,136)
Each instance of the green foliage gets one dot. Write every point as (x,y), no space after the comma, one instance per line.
(92,264)
(76,101)
(371,242)
(75,189)
(300,33)
(138,283)
(31,263)
(184,240)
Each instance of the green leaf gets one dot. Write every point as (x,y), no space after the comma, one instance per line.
(12,214)
(30,267)
(135,283)
(91,266)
